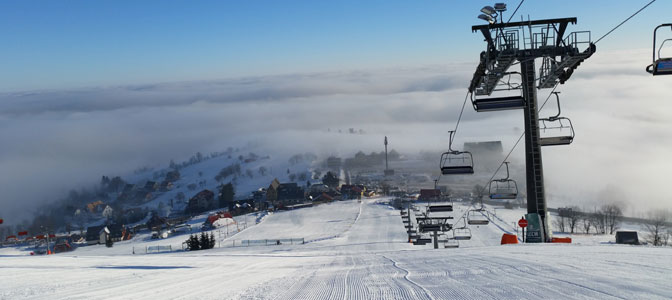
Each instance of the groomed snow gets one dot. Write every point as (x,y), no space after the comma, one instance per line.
(354,251)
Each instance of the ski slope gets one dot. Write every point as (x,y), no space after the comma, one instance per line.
(353,251)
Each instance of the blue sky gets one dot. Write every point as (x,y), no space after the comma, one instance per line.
(70,44)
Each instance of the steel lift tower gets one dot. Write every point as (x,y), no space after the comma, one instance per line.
(522,43)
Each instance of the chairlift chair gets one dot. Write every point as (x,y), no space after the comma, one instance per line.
(430,227)
(556,130)
(660,65)
(478,217)
(440,208)
(504,188)
(422,241)
(451,243)
(500,103)
(462,234)
(456,162)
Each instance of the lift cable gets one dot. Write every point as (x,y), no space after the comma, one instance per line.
(457,124)
(514,12)
(630,17)
(459,118)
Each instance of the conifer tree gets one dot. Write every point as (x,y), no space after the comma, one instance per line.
(213,242)
(192,243)
(204,242)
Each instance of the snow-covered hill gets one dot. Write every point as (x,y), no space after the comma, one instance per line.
(254,172)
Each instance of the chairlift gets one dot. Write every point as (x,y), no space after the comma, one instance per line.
(430,227)
(456,162)
(478,216)
(440,208)
(462,233)
(556,130)
(422,241)
(499,103)
(504,188)
(660,65)
(451,243)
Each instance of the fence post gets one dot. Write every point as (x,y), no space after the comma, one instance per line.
(145,249)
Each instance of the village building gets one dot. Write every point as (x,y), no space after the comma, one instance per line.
(203,201)
(429,195)
(290,193)
(272,191)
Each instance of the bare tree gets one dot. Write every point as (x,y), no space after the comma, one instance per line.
(564,219)
(573,217)
(657,227)
(613,214)
(586,223)
(560,223)
(598,221)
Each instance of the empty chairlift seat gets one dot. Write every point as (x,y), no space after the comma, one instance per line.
(451,243)
(462,234)
(500,103)
(429,227)
(422,241)
(478,217)
(663,67)
(556,130)
(660,65)
(457,162)
(440,208)
(503,189)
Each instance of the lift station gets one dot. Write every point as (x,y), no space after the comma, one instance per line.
(521,43)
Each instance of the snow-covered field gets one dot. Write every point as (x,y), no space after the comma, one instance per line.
(353,251)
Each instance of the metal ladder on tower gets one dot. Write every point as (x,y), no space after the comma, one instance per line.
(536,148)
(503,61)
(562,70)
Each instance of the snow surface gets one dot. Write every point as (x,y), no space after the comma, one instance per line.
(354,251)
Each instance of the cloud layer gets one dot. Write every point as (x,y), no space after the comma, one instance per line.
(57,140)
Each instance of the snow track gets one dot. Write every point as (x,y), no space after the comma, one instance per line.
(359,251)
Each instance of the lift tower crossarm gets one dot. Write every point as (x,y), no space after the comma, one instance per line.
(524,23)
